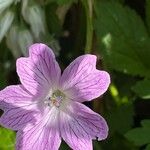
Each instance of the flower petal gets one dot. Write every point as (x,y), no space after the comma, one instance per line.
(82,81)
(15,95)
(39,71)
(18,107)
(74,134)
(79,125)
(17,118)
(42,136)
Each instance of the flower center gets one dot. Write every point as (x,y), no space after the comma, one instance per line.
(55,99)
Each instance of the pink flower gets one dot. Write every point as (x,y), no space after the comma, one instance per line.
(47,106)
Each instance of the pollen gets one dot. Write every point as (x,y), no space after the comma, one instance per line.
(55,99)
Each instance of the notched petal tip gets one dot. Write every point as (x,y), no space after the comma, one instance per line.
(40,70)
(78,69)
(88,58)
(105,81)
(39,48)
(83,81)
(19,62)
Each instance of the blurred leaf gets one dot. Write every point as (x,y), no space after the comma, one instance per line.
(63,2)
(142,89)
(96,145)
(145,123)
(12,41)
(5,23)
(64,146)
(62,11)
(117,142)
(7,138)
(141,135)
(53,22)
(148,13)
(127,81)
(25,39)
(34,15)
(3,80)
(122,37)
(147,147)
(18,40)
(120,119)
(4,4)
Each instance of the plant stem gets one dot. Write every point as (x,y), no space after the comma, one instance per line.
(88,4)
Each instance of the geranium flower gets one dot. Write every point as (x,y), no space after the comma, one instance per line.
(47,106)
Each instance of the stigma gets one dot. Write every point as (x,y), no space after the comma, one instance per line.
(55,99)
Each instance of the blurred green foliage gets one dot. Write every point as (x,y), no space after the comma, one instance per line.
(117,31)
(7,139)
(141,135)
(142,89)
(123,37)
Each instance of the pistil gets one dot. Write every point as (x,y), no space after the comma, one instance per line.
(55,99)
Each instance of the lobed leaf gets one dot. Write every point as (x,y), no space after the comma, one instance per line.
(141,135)
(142,89)
(122,38)
(120,119)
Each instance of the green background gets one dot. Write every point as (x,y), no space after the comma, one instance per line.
(117,31)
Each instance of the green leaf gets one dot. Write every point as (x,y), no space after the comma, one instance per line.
(25,39)
(63,2)
(12,41)
(147,147)
(141,135)
(120,119)
(145,123)
(3,81)
(148,13)
(117,142)
(6,20)
(64,146)
(142,89)
(96,145)
(5,4)
(34,15)
(122,38)
(53,22)
(7,138)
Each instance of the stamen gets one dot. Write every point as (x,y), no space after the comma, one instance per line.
(55,99)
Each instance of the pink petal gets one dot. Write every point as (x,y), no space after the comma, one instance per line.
(17,118)
(79,125)
(15,95)
(18,107)
(74,134)
(40,71)
(82,81)
(42,136)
